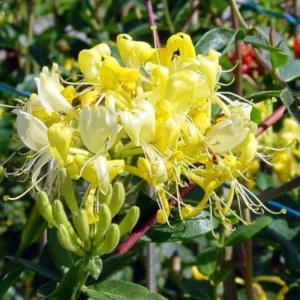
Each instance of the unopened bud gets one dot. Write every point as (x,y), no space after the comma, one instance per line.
(161,217)
(2,173)
(66,241)
(81,223)
(61,218)
(117,199)
(105,199)
(110,242)
(44,207)
(89,206)
(103,223)
(129,220)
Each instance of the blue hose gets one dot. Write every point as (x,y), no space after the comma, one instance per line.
(11,90)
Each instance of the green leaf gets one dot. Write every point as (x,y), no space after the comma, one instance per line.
(289,250)
(218,39)
(261,44)
(277,56)
(291,70)
(207,261)
(261,96)
(255,115)
(278,59)
(69,284)
(9,280)
(115,263)
(33,230)
(180,231)
(198,289)
(245,232)
(95,267)
(36,268)
(290,103)
(281,226)
(120,290)
(62,259)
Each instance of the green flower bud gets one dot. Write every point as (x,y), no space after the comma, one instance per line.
(66,240)
(2,173)
(103,223)
(44,207)
(105,199)
(129,220)
(61,218)
(117,199)
(110,242)
(81,223)
(69,195)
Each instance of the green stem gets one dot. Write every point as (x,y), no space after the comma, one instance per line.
(249,261)
(30,4)
(215,277)
(168,17)
(238,14)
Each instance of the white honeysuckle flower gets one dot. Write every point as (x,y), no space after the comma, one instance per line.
(139,123)
(31,130)
(101,166)
(241,108)
(227,134)
(49,92)
(98,127)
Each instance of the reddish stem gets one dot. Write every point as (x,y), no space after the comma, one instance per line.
(152,21)
(143,228)
(269,121)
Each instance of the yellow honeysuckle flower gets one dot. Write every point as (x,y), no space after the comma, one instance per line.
(197,275)
(90,62)
(209,67)
(182,42)
(149,116)
(133,53)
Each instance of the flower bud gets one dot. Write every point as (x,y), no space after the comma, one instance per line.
(61,218)
(44,207)
(2,173)
(81,223)
(117,199)
(66,241)
(105,199)
(69,195)
(59,139)
(89,206)
(103,223)
(110,242)
(129,220)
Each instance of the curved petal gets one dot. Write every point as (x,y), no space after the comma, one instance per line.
(101,167)
(31,130)
(98,127)
(49,92)
(139,123)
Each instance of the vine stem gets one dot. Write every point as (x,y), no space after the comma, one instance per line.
(168,17)
(144,227)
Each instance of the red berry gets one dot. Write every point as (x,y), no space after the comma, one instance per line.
(297,47)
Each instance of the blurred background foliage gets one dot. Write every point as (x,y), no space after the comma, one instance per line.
(35,33)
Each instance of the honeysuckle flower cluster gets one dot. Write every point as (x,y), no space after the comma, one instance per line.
(148,115)
(280,149)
